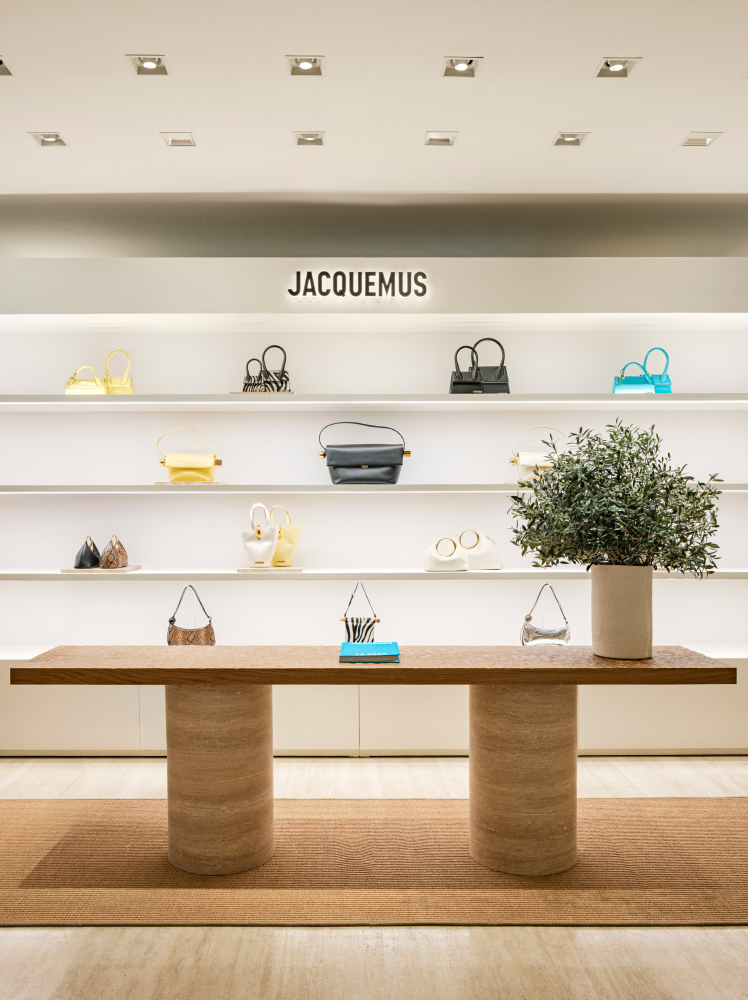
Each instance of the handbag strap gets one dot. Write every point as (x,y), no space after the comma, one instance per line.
(529,617)
(357,423)
(647,376)
(667,360)
(283,365)
(279,506)
(83,368)
(540,427)
(189,587)
(473,363)
(493,341)
(106,364)
(252,516)
(359,584)
(249,363)
(180,429)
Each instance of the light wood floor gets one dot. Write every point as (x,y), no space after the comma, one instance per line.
(362,963)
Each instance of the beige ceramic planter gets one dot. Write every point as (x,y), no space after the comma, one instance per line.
(622,612)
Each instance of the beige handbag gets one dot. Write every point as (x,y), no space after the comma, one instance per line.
(261,540)
(84,386)
(288,539)
(446,561)
(523,463)
(118,385)
(482,553)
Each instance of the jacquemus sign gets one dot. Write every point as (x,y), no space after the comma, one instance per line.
(371,284)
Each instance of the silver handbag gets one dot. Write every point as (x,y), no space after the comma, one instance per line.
(533,635)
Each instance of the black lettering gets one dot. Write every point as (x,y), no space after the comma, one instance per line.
(370,276)
(419,284)
(356,291)
(320,276)
(338,290)
(309,288)
(388,285)
(400,284)
(298,285)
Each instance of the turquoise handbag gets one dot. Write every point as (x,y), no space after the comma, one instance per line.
(646,382)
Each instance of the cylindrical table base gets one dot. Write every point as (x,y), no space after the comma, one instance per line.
(219,742)
(523,777)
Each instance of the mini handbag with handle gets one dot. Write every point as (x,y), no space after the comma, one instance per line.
(480,378)
(184,468)
(118,385)
(533,635)
(452,558)
(114,555)
(176,636)
(483,553)
(288,539)
(359,629)
(364,463)
(87,556)
(647,381)
(524,463)
(261,539)
(84,386)
(267,380)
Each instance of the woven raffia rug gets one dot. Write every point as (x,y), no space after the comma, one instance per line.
(368,861)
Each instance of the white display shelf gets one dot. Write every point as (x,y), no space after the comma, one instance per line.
(302,402)
(529,573)
(288,489)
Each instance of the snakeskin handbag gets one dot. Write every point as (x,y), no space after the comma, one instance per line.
(204,636)
(114,555)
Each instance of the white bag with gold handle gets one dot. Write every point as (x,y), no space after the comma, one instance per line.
(288,538)
(482,553)
(523,463)
(452,558)
(261,539)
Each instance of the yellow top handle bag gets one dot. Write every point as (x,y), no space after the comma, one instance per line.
(288,539)
(186,468)
(84,386)
(118,385)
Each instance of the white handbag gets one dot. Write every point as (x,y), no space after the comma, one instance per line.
(523,463)
(448,561)
(261,539)
(483,553)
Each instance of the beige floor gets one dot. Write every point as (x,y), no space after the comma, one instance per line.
(361,963)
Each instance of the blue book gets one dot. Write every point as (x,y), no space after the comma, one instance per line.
(369,652)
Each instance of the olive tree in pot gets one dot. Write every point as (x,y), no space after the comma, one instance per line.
(612,502)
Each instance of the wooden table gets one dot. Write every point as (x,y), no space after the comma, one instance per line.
(523,734)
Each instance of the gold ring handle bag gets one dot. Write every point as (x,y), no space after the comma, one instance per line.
(183,468)
(118,385)
(288,539)
(524,463)
(84,386)
(482,553)
(454,560)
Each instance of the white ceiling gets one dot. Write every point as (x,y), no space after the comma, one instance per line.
(381,92)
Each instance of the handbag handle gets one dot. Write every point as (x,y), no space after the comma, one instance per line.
(283,366)
(252,522)
(279,506)
(473,363)
(528,618)
(647,376)
(454,550)
(359,584)
(250,362)
(667,360)
(189,587)
(357,423)
(106,364)
(180,429)
(493,341)
(540,427)
(72,378)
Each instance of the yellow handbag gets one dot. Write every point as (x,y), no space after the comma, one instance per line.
(189,468)
(84,386)
(118,385)
(288,539)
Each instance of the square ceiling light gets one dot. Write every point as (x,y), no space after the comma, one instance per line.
(305,65)
(700,138)
(148,65)
(48,138)
(309,138)
(617,67)
(440,138)
(570,138)
(178,138)
(465,66)
(4,71)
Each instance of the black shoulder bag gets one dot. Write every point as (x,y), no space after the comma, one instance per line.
(363,463)
(480,378)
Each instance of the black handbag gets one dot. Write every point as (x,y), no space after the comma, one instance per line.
(363,463)
(88,555)
(267,380)
(480,378)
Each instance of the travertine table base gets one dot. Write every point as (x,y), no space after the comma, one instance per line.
(523,777)
(220,777)
(523,703)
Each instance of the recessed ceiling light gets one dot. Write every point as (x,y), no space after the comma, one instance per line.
(148,65)
(178,138)
(440,138)
(618,67)
(466,66)
(48,138)
(700,138)
(4,71)
(309,138)
(570,138)
(305,65)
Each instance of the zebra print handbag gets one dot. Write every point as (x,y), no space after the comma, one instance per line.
(267,380)
(359,629)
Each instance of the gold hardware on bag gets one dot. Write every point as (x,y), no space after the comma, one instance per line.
(258,533)
(406,454)
(364,466)
(323,454)
(376,620)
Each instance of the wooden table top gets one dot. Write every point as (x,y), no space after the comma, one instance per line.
(319,665)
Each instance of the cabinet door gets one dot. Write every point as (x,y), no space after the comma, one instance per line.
(315,719)
(429,719)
